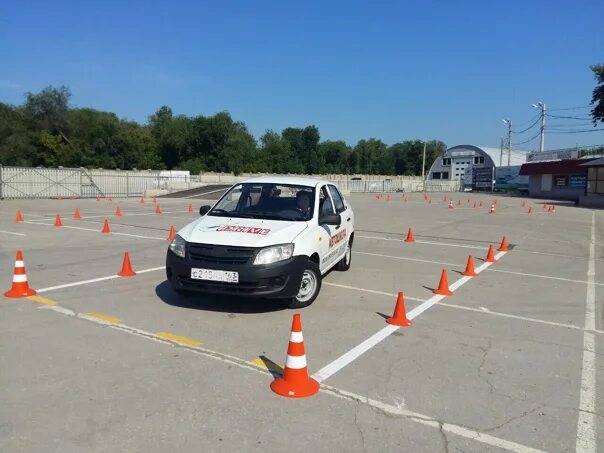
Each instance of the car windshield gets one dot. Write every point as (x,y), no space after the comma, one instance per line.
(268,201)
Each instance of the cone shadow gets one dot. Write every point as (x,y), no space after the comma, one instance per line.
(382,315)
(275,370)
(428,288)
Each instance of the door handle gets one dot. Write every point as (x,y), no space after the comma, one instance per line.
(348,219)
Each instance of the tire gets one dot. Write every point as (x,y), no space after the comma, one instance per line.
(344,264)
(306,295)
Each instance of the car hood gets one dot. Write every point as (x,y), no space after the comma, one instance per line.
(242,232)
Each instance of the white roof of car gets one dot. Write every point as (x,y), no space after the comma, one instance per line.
(295,180)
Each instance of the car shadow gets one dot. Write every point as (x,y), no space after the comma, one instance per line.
(218,303)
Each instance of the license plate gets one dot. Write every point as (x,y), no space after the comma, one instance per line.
(215,275)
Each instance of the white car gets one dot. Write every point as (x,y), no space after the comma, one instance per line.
(270,237)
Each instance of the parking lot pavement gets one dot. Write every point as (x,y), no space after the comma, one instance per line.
(511,362)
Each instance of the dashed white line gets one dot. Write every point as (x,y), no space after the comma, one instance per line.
(11,232)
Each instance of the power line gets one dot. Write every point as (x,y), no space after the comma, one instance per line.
(530,127)
(528,121)
(571,108)
(583,117)
(529,140)
(575,132)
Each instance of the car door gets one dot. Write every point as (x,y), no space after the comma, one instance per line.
(345,230)
(326,232)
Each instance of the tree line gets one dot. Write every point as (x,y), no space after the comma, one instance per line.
(46,131)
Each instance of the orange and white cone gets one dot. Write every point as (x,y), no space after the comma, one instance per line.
(118,212)
(295,382)
(504,245)
(106,229)
(20,287)
(470,271)
(58,222)
(171,234)
(142,200)
(530,210)
(19,217)
(410,237)
(110,199)
(474,207)
(157,209)
(490,255)
(126,267)
(451,204)
(76,214)
(190,208)
(443,285)
(399,317)
(492,210)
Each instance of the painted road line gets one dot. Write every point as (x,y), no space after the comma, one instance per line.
(267,366)
(42,300)
(348,357)
(446,244)
(95,280)
(524,274)
(381,293)
(178,339)
(403,258)
(329,390)
(98,231)
(586,423)
(103,317)
(11,232)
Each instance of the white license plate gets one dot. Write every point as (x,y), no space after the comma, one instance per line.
(215,275)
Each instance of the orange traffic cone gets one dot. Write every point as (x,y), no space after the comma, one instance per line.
(474,205)
(530,210)
(480,204)
(470,272)
(157,209)
(388,197)
(468,201)
(76,214)
(492,210)
(295,382)
(377,197)
(126,267)
(60,197)
(524,204)
(504,245)
(490,255)
(20,287)
(106,229)
(190,208)
(58,222)
(110,199)
(98,199)
(19,217)
(399,317)
(445,199)
(410,237)
(544,206)
(458,202)
(429,200)
(553,208)
(443,285)
(118,212)
(171,234)
(142,200)
(451,204)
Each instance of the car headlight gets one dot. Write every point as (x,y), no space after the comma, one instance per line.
(274,254)
(178,246)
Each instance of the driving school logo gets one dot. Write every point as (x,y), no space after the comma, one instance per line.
(244,229)
(337,238)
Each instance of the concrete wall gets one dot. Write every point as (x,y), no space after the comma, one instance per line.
(557,193)
(230,178)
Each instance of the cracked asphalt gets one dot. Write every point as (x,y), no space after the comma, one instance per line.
(496,367)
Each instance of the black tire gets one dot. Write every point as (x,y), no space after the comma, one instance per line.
(311,275)
(344,264)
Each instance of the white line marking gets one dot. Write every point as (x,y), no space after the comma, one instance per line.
(98,231)
(446,244)
(524,274)
(348,357)
(586,423)
(329,390)
(10,232)
(405,258)
(95,280)
(381,293)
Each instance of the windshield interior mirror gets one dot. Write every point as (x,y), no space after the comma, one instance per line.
(204,209)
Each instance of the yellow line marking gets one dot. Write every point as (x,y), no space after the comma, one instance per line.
(271,367)
(42,300)
(101,316)
(179,339)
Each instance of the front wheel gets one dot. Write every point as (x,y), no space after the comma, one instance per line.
(309,287)
(344,263)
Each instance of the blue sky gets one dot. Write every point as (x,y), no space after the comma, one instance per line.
(448,70)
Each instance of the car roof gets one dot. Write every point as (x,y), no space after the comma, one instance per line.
(295,180)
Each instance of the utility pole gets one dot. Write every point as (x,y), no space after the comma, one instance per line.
(501,152)
(509,123)
(541,105)
(424,168)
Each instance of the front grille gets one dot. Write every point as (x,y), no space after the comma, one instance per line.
(220,254)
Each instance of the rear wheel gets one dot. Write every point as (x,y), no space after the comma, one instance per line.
(309,287)
(344,263)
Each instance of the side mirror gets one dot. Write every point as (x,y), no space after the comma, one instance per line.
(204,209)
(330,219)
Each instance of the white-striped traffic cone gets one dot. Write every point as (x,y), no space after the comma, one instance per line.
(295,382)
(20,286)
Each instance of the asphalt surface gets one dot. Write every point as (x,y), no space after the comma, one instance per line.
(512,362)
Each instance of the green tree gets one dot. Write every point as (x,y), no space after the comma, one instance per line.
(304,143)
(335,155)
(597,97)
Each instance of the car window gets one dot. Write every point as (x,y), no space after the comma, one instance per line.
(337,199)
(325,206)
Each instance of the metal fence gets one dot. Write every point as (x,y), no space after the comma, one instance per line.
(386,185)
(27,182)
